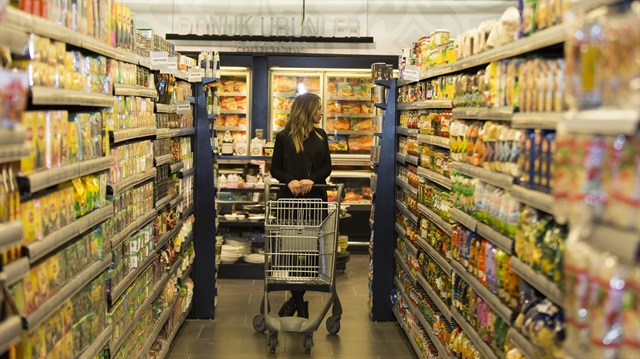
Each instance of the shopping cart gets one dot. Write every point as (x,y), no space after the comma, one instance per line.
(300,254)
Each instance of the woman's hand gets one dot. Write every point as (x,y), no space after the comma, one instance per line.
(295,187)
(306,185)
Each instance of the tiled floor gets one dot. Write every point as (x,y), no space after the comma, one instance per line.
(231,334)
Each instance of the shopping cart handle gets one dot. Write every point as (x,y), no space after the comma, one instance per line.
(338,187)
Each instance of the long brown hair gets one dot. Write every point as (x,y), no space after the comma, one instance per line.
(300,123)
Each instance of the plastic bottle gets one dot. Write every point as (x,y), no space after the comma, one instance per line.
(216,65)
(202,58)
(209,65)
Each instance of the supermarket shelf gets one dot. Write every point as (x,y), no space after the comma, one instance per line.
(434,140)
(414,160)
(242,158)
(169,235)
(523,344)
(494,302)
(626,245)
(501,241)
(157,288)
(241,189)
(35,182)
(444,309)
(165,108)
(45,310)
(16,41)
(11,153)
(157,327)
(187,131)
(162,133)
(381,105)
(10,332)
(134,90)
(132,228)
(97,345)
(483,113)
(41,95)
(38,249)
(349,132)
(132,134)
(537,120)
(348,98)
(435,177)
(11,233)
(14,272)
(211,116)
(493,178)
(118,187)
(484,349)
(349,115)
(538,200)
(163,202)
(13,136)
(400,206)
(187,212)
(400,158)
(410,246)
(186,274)
(176,167)
(163,160)
(407,187)
(233,112)
(426,104)
(414,345)
(435,218)
(230,128)
(186,173)
(167,345)
(538,281)
(435,255)
(618,121)
(177,200)
(405,267)
(232,94)
(405,131)
(425,325)
(464,219)
(130,278)
(548,37)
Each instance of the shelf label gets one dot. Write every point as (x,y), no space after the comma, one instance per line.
(410,75)
(195,75)
(183,107)
(159,59)
(171,66)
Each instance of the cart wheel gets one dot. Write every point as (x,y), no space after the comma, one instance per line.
(308,343)
(258,323)
(333,324)
(273,342)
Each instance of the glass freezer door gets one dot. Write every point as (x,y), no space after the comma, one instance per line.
(234,91)
(285,86)
(348,112)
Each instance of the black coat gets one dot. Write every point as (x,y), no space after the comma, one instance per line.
(313,163)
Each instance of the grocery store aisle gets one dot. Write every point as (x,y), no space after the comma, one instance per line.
(231,334)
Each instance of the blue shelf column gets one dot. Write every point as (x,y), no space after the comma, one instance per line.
(384,237)
(204,197)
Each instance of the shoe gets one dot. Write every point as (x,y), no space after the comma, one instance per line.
(288,309)
(303,310)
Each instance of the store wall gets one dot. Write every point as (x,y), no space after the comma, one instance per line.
(392,24)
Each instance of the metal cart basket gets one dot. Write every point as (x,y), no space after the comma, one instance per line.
(300,254)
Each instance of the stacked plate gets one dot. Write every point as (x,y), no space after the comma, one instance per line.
(230,253)
(254,258)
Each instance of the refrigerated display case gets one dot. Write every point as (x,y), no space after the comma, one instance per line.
(285,86)
(234,92)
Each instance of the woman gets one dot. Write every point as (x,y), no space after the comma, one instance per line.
(301,159)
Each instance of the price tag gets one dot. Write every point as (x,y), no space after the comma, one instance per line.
(195,74)
(172,66)
(159,60)
(410,75)
(183,107)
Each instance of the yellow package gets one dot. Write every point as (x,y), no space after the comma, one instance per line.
(53,273)
(27,164)
(42,282)
(73,144)
(30,292)
(17,293)
(64,137)
(39,139)
(47,225)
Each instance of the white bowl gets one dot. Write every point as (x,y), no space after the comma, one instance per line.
(231,217)
(240,217)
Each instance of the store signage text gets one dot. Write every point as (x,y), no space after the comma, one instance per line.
(272,26)
(269,47)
